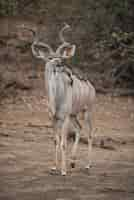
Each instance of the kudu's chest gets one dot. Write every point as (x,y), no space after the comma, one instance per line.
(66,91)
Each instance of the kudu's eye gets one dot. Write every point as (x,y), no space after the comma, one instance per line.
(50,57)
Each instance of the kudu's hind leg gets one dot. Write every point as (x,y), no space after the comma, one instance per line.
(88,123)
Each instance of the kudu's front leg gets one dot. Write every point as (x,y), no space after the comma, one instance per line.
(57,124)
(88,121)
(63,145)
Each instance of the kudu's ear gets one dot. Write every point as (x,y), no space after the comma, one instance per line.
(67,51)
(41,50)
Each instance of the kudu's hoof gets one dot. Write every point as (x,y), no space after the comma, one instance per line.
(72,164)
(63,173)
(54,171)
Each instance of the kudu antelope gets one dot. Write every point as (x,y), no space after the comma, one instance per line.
(67,97)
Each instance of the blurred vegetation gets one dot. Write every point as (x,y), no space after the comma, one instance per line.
(87,8)
(103,31)
(97,17)
(8,7)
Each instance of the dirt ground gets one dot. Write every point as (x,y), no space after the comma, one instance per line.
(27,151)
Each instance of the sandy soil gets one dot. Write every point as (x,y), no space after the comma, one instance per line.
(27,151)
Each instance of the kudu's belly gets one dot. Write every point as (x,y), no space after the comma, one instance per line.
(83,94)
